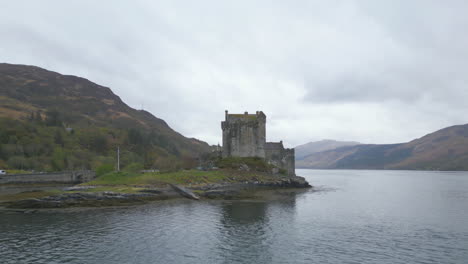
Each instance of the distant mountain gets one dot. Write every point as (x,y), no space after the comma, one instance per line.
(44,112)
(446,149)
(319,146)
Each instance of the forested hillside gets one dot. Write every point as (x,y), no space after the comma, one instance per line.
(50,121)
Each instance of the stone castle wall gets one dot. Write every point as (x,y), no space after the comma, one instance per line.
(53,177)
(244,135)
(290,161)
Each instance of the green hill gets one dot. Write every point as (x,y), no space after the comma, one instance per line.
(50,121)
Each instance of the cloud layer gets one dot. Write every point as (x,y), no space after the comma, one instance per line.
(369,71)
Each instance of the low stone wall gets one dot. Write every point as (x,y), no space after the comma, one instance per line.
(53,177)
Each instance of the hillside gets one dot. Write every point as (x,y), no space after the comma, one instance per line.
(446,149)
(47,116)
(307,149)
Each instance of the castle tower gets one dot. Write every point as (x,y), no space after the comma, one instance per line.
(244,135)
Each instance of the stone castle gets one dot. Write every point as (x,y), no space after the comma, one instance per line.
(244,136)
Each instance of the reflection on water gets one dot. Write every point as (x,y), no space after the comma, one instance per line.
(243,213)
(357,217)
(243,231)
(246,229)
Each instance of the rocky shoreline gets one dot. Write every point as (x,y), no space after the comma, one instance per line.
(84,196)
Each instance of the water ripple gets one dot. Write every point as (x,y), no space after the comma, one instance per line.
(345,222)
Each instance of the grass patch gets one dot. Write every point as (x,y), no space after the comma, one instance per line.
(116,189)
(185,177)
(18,172)
(28,195)
(180,177)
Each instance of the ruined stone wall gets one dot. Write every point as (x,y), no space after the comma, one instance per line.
(277,155)
(52,177)
(289,161)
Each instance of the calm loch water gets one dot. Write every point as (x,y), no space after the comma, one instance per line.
(354,217)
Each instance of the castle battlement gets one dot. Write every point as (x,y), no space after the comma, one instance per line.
(244,135)
(245,117)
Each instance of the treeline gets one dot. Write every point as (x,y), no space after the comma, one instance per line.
(44,142)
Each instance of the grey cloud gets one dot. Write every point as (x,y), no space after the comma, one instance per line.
(351,70)
(345,89)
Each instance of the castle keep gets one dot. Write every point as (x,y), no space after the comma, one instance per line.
(244,136)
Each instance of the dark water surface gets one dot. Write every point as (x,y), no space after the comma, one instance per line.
(356,217)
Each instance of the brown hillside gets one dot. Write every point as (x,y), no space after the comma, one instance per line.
(446,149)
(80,102)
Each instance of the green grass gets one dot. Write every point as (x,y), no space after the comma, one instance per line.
(28,195)
(185,177)
(116,189)
(180,177)
(18,172)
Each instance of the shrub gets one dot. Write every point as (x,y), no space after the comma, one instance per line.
(133,167)
(103,169)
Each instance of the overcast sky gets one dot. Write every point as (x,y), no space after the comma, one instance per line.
(370,71)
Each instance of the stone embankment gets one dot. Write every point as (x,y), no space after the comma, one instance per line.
(72,177)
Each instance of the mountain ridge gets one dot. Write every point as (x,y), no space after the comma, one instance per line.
(306,149)
(444,149)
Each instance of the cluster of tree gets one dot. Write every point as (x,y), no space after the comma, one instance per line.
(52,118)
(45,143)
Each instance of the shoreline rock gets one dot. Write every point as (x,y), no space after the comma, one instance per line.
(185,192)
(82,199)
